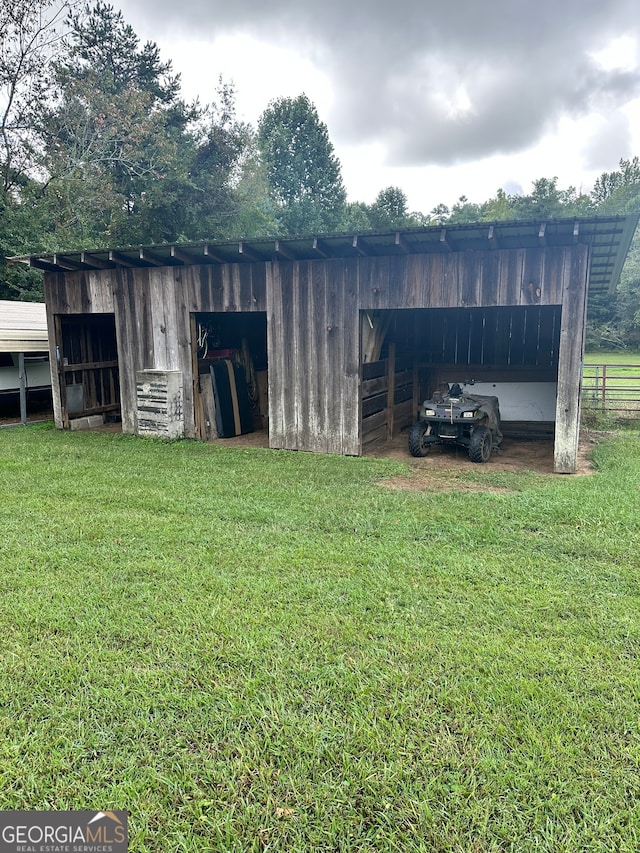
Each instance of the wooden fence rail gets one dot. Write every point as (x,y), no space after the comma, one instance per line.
(611,388)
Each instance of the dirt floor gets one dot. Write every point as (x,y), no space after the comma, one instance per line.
(444,468)
(515,455)
(39,408)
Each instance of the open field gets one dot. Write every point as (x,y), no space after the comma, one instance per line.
(612,357)
(257,650)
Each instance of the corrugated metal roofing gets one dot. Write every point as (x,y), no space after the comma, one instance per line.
(609,238)
(23,327)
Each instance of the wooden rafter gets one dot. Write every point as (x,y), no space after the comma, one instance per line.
(360,246)
(247,252)
(401,243)
(541,234)
(211,255)
(444,244)
(94,262)
(181,256)
(283,251)
(320,248)
(120,260)
(152,258)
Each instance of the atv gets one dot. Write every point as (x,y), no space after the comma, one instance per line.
(458,417)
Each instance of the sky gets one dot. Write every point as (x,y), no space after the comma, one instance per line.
(443,99)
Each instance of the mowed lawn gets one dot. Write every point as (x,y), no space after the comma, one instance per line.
(251,650)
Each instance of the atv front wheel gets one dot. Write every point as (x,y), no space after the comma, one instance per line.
(417,444)
(480,445)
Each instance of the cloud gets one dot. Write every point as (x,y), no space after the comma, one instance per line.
(609,143)
(439,83)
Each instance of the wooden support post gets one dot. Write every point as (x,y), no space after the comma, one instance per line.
(198,414)
(22,376)
(391,390)
(571,352)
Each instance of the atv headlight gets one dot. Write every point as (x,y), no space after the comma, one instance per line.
(429,413)
(469,414)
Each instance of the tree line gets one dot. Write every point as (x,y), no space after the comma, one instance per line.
(99,148)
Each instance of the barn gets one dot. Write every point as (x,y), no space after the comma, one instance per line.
(333,340)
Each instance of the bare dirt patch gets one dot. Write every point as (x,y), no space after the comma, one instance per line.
(444,468)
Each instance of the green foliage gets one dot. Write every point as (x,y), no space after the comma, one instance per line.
(248,649)
(302,171)
(391,210)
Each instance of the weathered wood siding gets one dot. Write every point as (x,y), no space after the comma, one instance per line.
(313,324)
(464,279)
(572,330)
(313,341)
(152,314)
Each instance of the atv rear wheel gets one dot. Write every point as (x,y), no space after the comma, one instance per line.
(417,445)
(480,445)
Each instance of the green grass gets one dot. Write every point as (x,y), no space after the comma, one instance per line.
(252,650)
(612,357)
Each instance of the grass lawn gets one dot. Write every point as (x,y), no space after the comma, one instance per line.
(252,650)
(613,357)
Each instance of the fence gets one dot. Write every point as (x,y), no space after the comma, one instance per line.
(387,398)
(611,389)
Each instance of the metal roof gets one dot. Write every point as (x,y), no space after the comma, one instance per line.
(23,327)
(609,238)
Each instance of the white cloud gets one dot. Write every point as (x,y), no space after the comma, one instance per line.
(441,99)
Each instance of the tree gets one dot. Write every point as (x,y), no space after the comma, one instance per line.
(616,322)
(303,173)
(390,209)
(128,161)
(30,30)
(619,191)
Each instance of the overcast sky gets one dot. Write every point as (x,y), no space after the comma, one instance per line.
(440,98)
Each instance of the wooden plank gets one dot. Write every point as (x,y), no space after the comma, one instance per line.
(275,358)
(91,365)
(374,421)
(208,404)
(571,353)
(403,414)
(374,438)
(259,286)
(535,277)
(186,355)
(198,408)
(335,348)
(391,386)
(374,404)
(319,384)
(228,293)
(350,390)
(304,438)
(217,288)
(373,386)
(287,342)
(373,369)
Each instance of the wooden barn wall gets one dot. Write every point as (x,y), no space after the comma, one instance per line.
(314,357)
(313,329)
(466,279)
(152,307)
